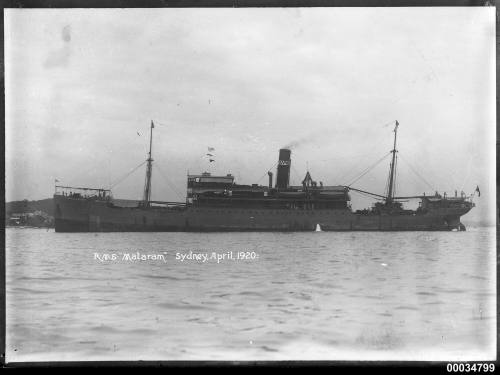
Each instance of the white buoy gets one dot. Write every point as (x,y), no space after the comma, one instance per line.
(318,228)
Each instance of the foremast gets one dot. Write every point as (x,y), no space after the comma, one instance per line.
(390,194)
(147,185)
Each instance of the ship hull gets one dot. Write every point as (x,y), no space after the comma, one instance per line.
(82,215)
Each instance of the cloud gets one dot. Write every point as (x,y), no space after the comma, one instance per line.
(66,33)
(60,57)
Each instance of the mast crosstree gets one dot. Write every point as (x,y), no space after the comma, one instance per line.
(390,194)
(147,184)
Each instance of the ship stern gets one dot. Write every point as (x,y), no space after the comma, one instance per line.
(70,214)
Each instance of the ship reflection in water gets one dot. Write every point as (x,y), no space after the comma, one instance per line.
(316,295)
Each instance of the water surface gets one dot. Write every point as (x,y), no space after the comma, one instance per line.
(307,296)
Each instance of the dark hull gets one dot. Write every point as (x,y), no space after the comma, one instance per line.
(81,215)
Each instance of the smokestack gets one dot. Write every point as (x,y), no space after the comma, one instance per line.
(283,175)
(270,174)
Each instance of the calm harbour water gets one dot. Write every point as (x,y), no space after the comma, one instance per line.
(308,296)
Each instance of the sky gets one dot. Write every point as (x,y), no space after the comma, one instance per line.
(83,85)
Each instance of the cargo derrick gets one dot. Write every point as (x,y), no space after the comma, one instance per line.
(448,209)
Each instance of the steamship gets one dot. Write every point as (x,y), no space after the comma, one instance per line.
(218,203)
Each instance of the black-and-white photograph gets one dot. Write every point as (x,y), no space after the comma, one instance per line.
(250,184)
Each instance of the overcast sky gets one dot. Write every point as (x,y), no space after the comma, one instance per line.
(82,87)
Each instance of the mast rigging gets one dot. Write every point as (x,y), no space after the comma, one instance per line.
(390,194)
(147,185)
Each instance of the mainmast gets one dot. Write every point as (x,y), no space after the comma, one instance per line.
(390,194)
(147,185)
